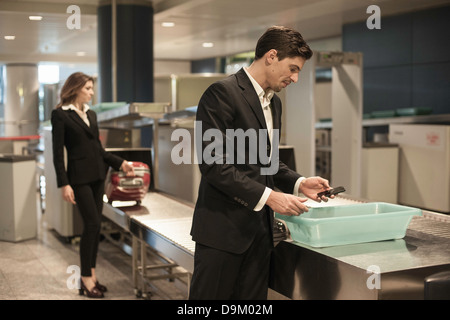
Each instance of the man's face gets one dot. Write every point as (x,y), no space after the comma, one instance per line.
(283,72)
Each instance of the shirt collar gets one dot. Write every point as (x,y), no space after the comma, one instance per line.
(259,90)
(72,107)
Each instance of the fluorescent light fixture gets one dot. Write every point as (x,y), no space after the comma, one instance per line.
(208,44)
(10,37)
(35,18)
(81,53)
(168,24)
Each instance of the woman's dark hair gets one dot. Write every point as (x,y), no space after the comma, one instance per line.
(288,43)
(70,89)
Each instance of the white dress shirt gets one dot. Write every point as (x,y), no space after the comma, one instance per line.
(82,114)
(264,98)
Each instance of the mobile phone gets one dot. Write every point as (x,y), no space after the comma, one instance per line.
(331,192)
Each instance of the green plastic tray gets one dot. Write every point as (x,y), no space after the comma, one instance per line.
(413,111)
(383,114)
(350,224)
(105,106)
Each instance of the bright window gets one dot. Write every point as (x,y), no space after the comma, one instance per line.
(48,73)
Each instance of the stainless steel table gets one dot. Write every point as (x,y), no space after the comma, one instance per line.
(160,226)
(393,269)
(379,270)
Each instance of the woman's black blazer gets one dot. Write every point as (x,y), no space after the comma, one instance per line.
(87,161)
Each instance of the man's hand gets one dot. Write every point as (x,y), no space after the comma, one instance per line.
(310,187)
(286,204)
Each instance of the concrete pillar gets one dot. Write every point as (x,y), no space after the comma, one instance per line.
(126,66)
(21,99)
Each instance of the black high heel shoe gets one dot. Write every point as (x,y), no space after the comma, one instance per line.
(100,287)
(94,293)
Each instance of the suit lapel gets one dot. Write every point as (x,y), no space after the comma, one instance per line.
(250,96)
(92,121)
(275,113)
(76,118)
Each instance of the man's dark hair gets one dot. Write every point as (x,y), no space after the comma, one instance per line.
(288,43)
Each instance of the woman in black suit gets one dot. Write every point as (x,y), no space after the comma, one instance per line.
(75,128)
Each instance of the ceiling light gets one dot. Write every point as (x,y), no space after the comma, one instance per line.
(168,24)
(81,53)
(10,37)
(35,18)
(208,44)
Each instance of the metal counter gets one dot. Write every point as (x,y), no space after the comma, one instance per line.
(393,269)
(160,227)
(166,228)
(378,270)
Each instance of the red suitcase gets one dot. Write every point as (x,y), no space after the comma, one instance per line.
(120,187)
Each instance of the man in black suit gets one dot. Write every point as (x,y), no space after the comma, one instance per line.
(233,217)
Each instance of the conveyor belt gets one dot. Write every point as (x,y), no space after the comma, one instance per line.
(170,219)
(166,227)
(164,224)
(345,272)
(174,231)
(170,237)
(431,227)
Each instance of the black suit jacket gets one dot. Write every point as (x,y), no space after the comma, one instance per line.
(86,159)
(224,217)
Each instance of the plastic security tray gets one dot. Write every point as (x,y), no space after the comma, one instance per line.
(413,111)
(349,224)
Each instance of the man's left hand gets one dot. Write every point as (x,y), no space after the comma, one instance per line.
(311,186)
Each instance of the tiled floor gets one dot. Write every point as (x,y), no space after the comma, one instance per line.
(37,270)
